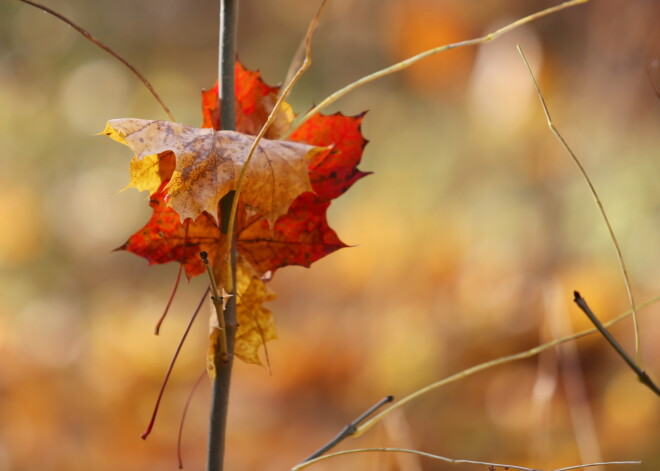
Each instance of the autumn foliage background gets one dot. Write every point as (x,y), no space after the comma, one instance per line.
(469,238)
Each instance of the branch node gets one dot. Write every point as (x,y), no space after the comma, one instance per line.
(350,429)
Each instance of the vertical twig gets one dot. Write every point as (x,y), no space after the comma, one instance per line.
(404,64)
(306,63)
(599,204)
(223,363)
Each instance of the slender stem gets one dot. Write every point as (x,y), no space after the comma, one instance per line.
(107,49)
(404,64)
(644,378)
(490,465)
(350,429)
(169,301)
(599,204)
(226,60)
(487,365)
(150,426)
(179,451)
(223,360)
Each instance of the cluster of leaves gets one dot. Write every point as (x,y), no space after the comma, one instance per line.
(281,220)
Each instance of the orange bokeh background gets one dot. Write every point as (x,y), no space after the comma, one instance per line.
(468,240)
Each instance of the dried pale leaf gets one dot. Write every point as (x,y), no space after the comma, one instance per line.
(208,163)
(255,322)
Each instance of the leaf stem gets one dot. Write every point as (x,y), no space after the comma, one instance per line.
(411,60)
(169,301)
(644,378)
(179,451)
(146,433)
(223,356)
(599,204)
(107,49)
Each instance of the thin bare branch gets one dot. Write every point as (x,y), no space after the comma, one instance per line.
(169,301)
(349,429)
(107,49)
(643,377)
(492,466)
(179,438)
(601,209)
(399,66)
(605,463)
(489,364)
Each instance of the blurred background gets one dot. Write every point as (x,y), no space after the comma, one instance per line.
(468,240)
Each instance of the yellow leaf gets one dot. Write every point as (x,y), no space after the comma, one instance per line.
(148,173)
(208,163)
(255,322)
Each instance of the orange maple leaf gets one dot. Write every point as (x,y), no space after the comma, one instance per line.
(294,233)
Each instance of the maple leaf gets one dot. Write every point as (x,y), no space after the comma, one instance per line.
(208,163)
(303,236)
(300,233)
(300,237)
(254,99)
(334,172)
(255,322)
(166,239)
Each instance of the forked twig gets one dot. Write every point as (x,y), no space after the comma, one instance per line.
(492,466)
(404,64)
(487,365)
(271,117)
(642,375)
(107,49)
(601,209)
(350,429)
(219,305)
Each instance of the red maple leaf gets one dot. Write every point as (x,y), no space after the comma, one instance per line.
(302,235)
(166,239)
